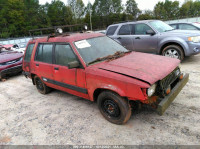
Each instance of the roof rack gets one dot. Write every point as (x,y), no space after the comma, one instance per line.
(56,30)
(123,21)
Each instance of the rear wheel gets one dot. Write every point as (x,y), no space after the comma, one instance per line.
(41,87)
(173,51)
(114,108)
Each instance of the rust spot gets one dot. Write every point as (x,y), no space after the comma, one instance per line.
(5,139)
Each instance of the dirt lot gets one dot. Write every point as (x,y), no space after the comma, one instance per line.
(27,117)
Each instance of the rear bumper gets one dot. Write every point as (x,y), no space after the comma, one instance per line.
(164,104)
(9,71)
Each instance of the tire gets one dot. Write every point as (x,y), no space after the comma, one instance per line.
(114,108)
(41,87)
(173,51)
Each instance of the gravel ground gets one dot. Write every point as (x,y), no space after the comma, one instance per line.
(27,117)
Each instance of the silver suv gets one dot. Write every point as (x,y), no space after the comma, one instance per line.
(154,36)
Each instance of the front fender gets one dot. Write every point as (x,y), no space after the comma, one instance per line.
(106,87)
(176,40)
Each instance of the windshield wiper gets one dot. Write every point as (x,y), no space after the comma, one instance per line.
(117,54)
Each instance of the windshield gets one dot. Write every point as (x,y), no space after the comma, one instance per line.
(161,26)
(94,48)
(197,24)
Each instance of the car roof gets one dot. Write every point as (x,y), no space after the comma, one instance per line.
(68,38)
(141,21)
(181,23)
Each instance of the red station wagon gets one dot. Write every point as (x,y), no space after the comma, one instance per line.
(95,67)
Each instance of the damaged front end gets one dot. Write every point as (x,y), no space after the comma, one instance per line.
(162,94)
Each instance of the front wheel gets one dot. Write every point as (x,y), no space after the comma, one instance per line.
(114,108)
(173,51)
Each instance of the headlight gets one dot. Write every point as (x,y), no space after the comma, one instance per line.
(194,39)
(177,72)
(151,90)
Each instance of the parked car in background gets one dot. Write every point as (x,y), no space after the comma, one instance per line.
(19,47)
(186,26)
(10,63)
(95,67)
(6,47)
(154,36)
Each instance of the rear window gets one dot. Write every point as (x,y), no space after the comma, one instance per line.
(28,52)
(44,53)
(111,30)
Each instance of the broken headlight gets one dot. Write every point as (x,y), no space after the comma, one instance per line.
(151,90)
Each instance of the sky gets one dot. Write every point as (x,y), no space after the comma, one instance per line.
(142,4)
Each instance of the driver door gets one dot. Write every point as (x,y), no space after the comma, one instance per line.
(63,76)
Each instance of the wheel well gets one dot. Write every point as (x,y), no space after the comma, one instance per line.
(98,91)
(171,43)
(32,77)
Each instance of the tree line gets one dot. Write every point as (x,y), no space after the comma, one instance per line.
(17,17)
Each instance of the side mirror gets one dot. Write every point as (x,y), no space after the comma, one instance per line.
(74,64)
(150,32)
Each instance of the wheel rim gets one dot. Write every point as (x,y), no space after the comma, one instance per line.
(39,84)
(110,108)
(173,53)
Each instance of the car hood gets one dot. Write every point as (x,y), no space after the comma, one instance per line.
(148,68)
(182,32)
(9,56)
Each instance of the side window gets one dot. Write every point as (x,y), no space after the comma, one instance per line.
(28,53)
(44,53)
(126,29)
(111,30)
(173,25)
(141,29)
(64,54)
(187,27)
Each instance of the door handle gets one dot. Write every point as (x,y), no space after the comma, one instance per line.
(56,68)
(37,64)
(119,38)
(137,38)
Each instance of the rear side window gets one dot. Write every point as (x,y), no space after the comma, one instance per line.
(126,30)
(64,54)
(44,53)
(28,53)
(111,30)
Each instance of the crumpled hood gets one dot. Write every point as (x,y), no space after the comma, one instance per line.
(9,56)
(145,67)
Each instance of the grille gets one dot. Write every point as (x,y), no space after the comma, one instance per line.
(11,62)
(168,80)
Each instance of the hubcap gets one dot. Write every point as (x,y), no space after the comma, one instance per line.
(172,53)
(111,108)
(39,84)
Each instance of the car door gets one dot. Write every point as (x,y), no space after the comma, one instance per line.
(125,37)
(43,61)
(144,42)
(64,77)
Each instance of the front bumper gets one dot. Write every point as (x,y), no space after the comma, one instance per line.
(194,48)
(164,104)
(9,71)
